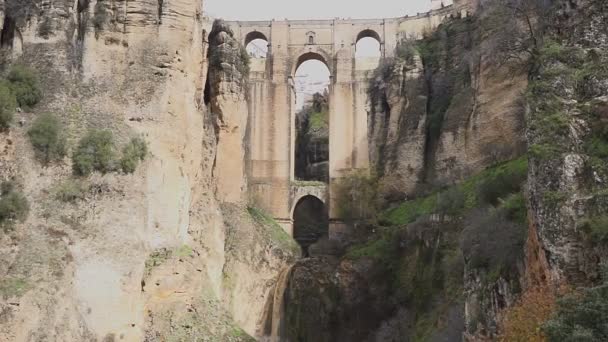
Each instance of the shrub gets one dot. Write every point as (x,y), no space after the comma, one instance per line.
(47,138)
(7,106)
(597,228)
(581,317)
(134,152)
(71,191)
(524,320)
(356,196)
(95,152)
(451,202)
(25,86)
(493,189)
(13,205)
(490,240)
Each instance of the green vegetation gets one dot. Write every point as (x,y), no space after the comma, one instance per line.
(358,192)
(491,186)
(13,287)
(157,258)
(13,205)
(184,251)
(581,316)
(277,234)
(95,152)
(318,121)
(597,228)
(8,103)
(25,86)
(134,152)
(71,191)
(46,135)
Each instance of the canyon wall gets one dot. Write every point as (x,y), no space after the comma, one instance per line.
(152,255)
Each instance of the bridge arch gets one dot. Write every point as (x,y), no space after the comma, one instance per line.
(368,33)
(310,221)
(312,54)
(253,35)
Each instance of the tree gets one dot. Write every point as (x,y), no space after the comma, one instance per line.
(516,30)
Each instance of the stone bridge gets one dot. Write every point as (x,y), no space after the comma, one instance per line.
(272,98)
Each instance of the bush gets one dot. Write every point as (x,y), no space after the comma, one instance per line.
(451,202)
(7,106)
(71,191)
(356,196)
(581,317)
(25,86)
(13,205)
(490,240)
(494,189)
(597,228)
(47,138)
(134,152)
(95,152)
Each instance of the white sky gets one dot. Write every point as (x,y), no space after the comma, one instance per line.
(312,9)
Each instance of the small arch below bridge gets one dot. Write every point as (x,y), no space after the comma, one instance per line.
(309,213)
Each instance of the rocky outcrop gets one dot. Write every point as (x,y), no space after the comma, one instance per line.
(228,72)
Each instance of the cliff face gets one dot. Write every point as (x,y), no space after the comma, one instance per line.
(567,110)
(145,256)
(444,110)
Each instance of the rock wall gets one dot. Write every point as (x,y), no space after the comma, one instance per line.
(141,256)
(567,177)
(444,110)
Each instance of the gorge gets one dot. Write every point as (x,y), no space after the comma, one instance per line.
(160,183)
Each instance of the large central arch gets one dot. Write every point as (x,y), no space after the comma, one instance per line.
(271,100)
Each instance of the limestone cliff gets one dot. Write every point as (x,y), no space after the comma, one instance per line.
(148,256)
(443,110)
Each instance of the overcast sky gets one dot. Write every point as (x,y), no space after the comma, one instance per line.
(312,9)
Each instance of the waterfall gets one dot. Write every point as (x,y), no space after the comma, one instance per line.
(274,329)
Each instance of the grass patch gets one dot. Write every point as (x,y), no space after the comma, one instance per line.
(318,121)
(71,191)
(276,232)
(13,287)
(493,185)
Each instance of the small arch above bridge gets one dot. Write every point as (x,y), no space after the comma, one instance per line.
(367,33)
(253,35)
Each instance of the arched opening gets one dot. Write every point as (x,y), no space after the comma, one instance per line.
(368,45)
(312,79)
(310,222)
(256,44)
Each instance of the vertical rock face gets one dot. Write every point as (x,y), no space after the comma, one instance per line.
(228,72)
(143,256)
(567,171)
(444,113)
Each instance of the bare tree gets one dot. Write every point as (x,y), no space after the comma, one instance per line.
(516,29)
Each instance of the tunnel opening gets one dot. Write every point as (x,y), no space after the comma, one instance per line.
(312,80)
(310,222)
